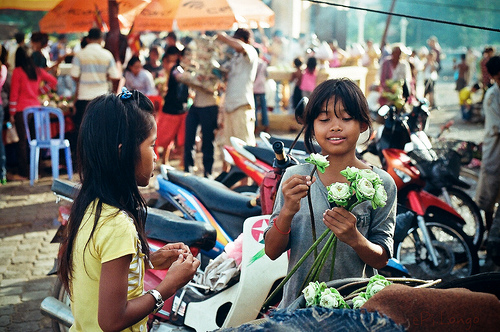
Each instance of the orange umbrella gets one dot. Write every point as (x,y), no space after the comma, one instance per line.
(41,5)
(81,15)
(164,15)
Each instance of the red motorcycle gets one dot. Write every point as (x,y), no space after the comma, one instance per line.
(429,237)
(196,306)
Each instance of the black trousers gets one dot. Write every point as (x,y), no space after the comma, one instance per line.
(207,117)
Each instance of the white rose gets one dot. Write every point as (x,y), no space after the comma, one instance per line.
(339,193)
(364,189)
(359,300)
(370,176)
(375,287)
(310,293)
(329,300)
(319,160)
(380,197)
(350,173)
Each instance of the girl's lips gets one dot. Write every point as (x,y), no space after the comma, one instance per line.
(336,140)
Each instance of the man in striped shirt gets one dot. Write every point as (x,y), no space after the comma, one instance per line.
(94,69)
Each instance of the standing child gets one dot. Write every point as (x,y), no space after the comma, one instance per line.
(465,99)
(462,69)
(308,81)
(106,251)
(171,120)
(296,80)
(259,92)
(337,113)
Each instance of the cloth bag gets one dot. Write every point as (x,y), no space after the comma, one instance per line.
(11,134)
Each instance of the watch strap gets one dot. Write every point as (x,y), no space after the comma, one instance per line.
(159,300)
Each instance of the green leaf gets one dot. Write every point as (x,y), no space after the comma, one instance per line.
(258,255)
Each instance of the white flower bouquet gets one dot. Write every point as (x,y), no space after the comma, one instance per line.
(319,294)
(364,185)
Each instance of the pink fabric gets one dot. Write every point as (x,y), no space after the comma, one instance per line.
(170,127)
(3,75)
(25,92)
(308,82)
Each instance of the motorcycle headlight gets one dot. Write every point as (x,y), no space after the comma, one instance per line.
(402,175)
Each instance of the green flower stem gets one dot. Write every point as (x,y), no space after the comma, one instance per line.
(313,222)
(296,267)
(317,264)
(334,252)
(324,257)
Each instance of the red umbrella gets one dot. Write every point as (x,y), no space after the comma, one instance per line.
(164,15)
(41,5)
(81,15)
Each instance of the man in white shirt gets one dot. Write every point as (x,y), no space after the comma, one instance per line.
(93,68)
(239,103)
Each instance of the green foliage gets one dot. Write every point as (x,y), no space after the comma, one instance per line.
(472,12)
(26,21)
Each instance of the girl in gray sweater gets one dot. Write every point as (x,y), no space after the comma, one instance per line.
(334,118)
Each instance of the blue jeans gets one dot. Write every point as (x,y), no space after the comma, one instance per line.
(260,102)
(315,319)
(3,159)
(466,112)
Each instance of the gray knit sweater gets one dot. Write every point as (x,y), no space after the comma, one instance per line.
(377,225)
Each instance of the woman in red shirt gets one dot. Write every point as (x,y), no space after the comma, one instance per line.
(25,90)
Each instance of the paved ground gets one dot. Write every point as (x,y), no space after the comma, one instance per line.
(27,225)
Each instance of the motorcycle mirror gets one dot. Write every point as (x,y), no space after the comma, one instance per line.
(382,111)
(299,110)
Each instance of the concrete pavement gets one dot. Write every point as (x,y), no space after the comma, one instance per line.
(27,225)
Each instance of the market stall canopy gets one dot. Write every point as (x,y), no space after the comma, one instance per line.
(202,15)
(80,16)
(39,5)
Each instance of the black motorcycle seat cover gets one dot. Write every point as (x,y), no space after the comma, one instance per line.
(168,227)
(214,195)
(160,225)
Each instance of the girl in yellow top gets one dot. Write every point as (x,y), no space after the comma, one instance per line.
(105,252)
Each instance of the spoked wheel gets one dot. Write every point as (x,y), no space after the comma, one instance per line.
(456,255)
(469,211)
(62,295)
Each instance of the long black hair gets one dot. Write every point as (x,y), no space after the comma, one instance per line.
(108,149)
(343,90)
(26,63)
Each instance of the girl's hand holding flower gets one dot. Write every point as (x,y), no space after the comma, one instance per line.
(164,257)
(342,223)
(294,189)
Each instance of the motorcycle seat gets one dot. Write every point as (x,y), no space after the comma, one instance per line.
(65,188)
(263,154)
(168,227)
(214,195)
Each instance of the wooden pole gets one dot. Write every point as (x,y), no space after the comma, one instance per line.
(113,36)
(388,22)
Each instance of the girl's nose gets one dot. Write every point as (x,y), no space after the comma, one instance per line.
(336,126)
(155,157)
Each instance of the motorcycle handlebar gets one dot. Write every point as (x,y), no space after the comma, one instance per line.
(281,158)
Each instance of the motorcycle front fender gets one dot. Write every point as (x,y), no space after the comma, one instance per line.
(432,207)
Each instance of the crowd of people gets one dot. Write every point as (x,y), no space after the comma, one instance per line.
(239,105)
(106,248)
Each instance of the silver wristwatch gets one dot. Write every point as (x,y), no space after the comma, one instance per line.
(159,300)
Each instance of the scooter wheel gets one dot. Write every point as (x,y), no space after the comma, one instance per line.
(456,255)
(60,293)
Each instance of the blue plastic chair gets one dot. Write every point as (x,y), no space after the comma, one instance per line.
(43,140)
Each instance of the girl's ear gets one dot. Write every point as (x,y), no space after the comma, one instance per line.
(119,149)
(363,127)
